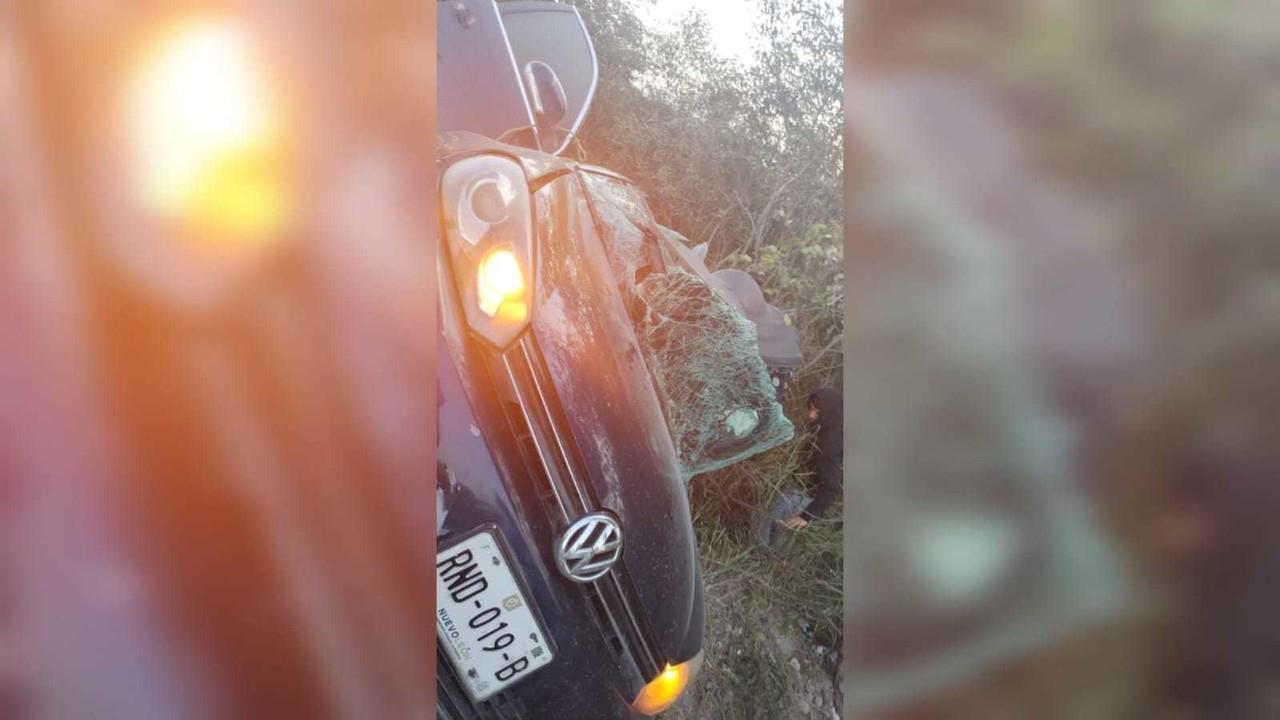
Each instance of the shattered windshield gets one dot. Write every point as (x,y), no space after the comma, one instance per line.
(705,357)
(720,403)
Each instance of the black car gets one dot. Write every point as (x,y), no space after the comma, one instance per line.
(565,547)
(568,580)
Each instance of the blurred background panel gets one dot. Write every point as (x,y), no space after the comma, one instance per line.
(1061,360)
(216,359)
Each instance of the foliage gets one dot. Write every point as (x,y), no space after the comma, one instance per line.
(803,275)
(735,155)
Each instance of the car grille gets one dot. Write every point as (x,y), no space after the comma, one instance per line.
(452,702)
(538,424)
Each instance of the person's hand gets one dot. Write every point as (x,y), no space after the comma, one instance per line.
(795,522)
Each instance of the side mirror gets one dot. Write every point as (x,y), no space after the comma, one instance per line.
(546,95)
(553,33)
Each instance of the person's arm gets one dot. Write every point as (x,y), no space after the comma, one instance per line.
(828,482)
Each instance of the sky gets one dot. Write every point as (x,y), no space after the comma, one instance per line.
(732,21)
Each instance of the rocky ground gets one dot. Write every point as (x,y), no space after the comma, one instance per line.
(759,664)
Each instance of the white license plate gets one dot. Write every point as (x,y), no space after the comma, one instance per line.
(484,620)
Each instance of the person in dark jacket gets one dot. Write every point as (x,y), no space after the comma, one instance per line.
(826,408)
(796,508)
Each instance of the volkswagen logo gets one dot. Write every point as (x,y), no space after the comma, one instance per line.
(591,545)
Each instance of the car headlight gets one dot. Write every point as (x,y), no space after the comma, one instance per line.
(208,146)
(663,691)
(488,220)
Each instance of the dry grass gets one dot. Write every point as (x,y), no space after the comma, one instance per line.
(768,611)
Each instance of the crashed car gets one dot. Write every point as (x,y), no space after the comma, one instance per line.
(589,365)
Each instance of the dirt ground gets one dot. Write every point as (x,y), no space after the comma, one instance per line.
(758,665)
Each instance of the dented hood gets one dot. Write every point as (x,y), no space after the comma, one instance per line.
(613,412)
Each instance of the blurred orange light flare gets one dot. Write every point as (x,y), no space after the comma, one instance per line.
(207,137)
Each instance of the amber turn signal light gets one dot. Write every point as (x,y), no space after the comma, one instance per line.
(663,691)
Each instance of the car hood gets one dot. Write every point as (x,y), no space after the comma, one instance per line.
(615,418)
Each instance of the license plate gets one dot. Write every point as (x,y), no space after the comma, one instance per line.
(484,620)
